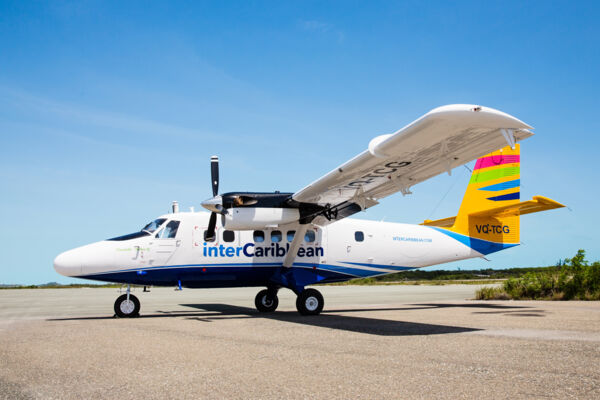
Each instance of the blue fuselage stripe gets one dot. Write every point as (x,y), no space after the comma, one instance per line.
(482,246)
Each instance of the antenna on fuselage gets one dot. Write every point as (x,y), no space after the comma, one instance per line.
(175,207)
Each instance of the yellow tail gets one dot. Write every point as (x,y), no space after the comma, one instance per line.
(488,218)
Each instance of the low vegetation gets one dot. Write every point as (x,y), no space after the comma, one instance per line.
(443,277)
(429,282)
(55,285)
(574,279)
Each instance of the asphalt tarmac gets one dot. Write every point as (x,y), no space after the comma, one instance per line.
(370,342)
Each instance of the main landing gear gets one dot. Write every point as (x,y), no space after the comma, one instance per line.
(266,300)
(127,305)
(308,302)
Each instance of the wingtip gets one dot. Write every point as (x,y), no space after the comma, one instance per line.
(482,110)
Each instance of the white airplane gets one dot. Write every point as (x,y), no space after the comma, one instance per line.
(292,240)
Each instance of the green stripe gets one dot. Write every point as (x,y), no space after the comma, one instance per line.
(494,174)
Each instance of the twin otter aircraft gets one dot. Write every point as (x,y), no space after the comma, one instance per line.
(292,240)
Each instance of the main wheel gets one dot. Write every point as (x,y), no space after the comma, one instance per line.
(310,302)
(266,301)
(127,308)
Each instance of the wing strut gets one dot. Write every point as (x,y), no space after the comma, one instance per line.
(509,135)
(295,245)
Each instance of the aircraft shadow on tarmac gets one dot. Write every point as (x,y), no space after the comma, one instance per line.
(330,318)
(327,319)
(509,310)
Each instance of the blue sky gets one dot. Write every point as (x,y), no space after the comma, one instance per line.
(111,110)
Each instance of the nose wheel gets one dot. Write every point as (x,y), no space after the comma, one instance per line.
(266,300)
(310,302)
(127,306)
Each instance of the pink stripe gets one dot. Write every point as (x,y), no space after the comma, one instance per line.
(493,161)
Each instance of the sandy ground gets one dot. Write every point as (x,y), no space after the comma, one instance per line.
(370,342)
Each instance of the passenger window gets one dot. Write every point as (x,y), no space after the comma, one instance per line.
(228,236)
(309,237)
(359,236)
(169,231)
(290,235)
(259,236)
(211,239)
(276,236)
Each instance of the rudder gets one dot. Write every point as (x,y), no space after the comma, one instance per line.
(495,182)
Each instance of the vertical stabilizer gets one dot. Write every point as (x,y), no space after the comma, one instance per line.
(488,218)
(495,182)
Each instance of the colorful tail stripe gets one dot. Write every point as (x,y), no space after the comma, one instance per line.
(490,175)
(510,196)
(502,186)
(493,161)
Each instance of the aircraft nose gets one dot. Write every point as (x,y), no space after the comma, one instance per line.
(68,263)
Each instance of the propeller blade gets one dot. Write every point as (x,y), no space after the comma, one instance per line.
(209,235)
(214,174)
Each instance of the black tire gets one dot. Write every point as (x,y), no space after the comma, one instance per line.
(266,301)
(124,310)
(310,302)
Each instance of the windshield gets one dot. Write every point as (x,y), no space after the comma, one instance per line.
(130,236)
(147,230)
(154,225)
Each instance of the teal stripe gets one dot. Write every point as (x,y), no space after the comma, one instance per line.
(502,186)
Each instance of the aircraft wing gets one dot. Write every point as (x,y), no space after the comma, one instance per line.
(442,139)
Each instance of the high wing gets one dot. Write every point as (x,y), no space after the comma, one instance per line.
(444,138)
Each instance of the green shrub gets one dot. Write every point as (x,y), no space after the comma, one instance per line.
(576,279)
(491,293)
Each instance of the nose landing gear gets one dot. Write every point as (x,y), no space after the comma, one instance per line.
(127,305)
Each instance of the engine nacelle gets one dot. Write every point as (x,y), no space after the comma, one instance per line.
(250,218)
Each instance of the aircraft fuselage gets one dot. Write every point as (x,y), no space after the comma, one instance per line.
(344,250)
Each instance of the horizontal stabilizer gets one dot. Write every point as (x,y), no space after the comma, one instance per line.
(538,203)
(442,223)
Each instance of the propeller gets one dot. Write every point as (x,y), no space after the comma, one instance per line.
(214,174)
(214,204)
(209,235)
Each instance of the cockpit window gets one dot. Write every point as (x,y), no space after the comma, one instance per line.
(130,236)
(154,225)
(169,231)
(146,230)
